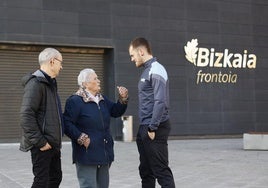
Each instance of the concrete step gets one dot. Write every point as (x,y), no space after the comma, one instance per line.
(255,141)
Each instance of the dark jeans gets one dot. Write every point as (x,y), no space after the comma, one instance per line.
(154,157)
(46,168)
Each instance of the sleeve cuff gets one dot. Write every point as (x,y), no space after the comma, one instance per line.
(150,130)
(123,100)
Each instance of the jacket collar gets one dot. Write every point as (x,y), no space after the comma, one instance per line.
(85,96)
(149,62)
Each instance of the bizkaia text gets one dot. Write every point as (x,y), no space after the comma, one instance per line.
(226,60)
(224,63)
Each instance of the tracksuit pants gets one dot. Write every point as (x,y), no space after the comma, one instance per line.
(154,157)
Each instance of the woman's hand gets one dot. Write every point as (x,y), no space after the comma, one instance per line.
(86,142)
(123,92)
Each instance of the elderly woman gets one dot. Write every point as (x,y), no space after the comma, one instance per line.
(87,122)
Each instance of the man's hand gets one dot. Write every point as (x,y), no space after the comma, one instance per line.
(46,147)
(151,135)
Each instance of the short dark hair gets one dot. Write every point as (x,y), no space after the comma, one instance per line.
(140,41)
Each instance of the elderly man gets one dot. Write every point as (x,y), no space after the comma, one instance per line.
(41,120)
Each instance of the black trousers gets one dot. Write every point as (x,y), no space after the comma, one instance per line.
(154,157)
(46,168)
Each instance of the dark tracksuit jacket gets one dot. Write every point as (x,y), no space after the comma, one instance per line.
(153,95)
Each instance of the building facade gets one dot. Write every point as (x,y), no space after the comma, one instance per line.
(215,53)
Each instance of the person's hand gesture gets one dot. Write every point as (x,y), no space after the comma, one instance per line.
(123,94)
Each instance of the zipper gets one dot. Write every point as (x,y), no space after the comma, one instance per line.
(102,121)
(104,140)
(59,117)
(44,124)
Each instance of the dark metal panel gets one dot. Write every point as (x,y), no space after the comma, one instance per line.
(18,60)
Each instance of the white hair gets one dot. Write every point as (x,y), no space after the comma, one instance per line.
(47,54)
(84,76)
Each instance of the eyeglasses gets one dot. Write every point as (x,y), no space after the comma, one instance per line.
(58,60)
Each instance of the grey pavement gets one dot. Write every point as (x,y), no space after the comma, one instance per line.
(196,163)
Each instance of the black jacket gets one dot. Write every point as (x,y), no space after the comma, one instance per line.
(40,116)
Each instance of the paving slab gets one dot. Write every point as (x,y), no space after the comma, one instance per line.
(205,163)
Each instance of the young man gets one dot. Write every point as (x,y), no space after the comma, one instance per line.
(41,120)
(154,118)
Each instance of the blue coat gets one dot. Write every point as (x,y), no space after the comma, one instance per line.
(94,120)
